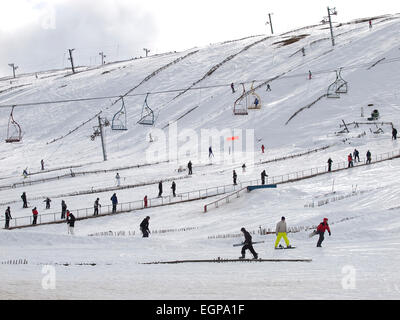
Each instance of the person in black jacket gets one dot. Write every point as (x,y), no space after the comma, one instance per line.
(114,201)
(96,207)
(189,165)
(173,187)
(63,209)
(247,245)
(8,217)
(47,202)
(394,134)
(25,203)
(263,175)
(71,223)
(330,164)
(159,189)
(234,177)
(144,227)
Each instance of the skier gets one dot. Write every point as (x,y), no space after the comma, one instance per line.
(244,168)
(42,164)
(159,189)
(25,173)
(281,231)
(35,214)
(47,203)
(350,160)
(234,177)
(189,165)
(233,88)
(256,102)
(394,134)
(370,24)
(25,203)
(144,227)
(356,155)
(303,51)
(322,227)
(96,207)
(70,222)
(63,209)
(210,153)
(8,217)
(263,175)
(309,75)
(330,165)
(118,178)
(173,187)
(247,244)
(368,157)
(145,201)
(114,201)
(268,87)
(262,148)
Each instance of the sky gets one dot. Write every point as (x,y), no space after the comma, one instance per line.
(35,35)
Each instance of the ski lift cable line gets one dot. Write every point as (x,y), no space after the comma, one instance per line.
(350,67)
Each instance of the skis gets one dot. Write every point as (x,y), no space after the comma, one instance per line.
(242,244)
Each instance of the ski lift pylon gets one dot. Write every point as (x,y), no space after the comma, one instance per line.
(147,115)
(119,120)
(14,132)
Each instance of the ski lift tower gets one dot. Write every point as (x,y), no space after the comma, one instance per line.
(331,12)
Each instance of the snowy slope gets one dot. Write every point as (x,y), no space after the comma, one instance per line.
(364,224)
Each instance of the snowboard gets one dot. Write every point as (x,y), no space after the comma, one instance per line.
(282,247)
(313,233)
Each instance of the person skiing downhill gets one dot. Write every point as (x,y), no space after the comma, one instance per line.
(281,230)
(144,227)
(322,227)
(247,245)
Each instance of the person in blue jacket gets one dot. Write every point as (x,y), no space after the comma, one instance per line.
(114,201)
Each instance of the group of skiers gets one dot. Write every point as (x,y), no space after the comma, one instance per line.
(281,232)
(351,158)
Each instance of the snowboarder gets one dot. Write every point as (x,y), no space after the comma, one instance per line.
(356,155)
(25,203)
(145,201)
(144,227)
(350,160)
(247,245)
(63,209)
(35,214)
(262,148)
(47,203)
(243,167)
(118,178)
(114,202)
(210,153)
(322,227)
(8,217)
(160,189)
(233,87)
(263,175)
(234,177)
(42,164)
(268,87)
(368,157)
(330,165)
(309,75)
(281,230)
(394,134)
(96,207)
(173,187)
(70,222)
(189,165)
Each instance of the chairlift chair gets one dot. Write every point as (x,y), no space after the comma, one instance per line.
(14,132)
(240,105)
(252,98)
(119,122)
(147,115)
(342,85)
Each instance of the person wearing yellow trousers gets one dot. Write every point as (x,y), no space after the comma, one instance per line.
(281,230)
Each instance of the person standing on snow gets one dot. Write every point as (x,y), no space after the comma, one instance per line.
(350,160)
(35,214)
(356,155)
(262,148)
(268,87)
(145,201)
(25,203)
(309,75)
(96,207)
(281,230)
(47,203)
(63,209)
(368,157)
(8,217)
(70,222)
(243,168)
(42,164)
(330,165)
(394,134)
(160,189)
(263,175)
(114,201)
(189,165)
(322,227)
(173,187)
(234,177)
(233,87)
(118,178)
(210,153)
(144,227)
(247,245)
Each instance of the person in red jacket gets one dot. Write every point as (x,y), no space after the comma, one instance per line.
(322,227)
(35,214)
(350,160)
(262,148)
